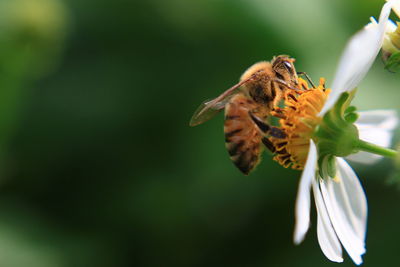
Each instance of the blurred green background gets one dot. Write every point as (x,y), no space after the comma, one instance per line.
(98,166)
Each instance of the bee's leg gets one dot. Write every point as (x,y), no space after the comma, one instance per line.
(307,77)
(266,129)
(278,112)
(268,144)
(285,84)
(277,133)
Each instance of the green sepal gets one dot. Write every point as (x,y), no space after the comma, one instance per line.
(327,166)
(350,109)
(351,117)
(350,114)
(340,107)
(392,64)
(337,135)
(321,167)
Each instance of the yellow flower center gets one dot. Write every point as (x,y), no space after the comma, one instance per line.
(298,119)
(395,36)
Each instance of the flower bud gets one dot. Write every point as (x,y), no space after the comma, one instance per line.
(391,47)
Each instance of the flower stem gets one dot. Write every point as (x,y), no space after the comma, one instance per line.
(371,148)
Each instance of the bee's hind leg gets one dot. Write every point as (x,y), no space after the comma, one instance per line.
(268,144)
(264,127)
(267,129)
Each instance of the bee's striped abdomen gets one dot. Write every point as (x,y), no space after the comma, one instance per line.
(242,137)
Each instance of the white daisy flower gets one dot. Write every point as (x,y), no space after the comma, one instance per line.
(320,129)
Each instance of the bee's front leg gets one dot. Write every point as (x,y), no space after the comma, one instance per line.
(287,85)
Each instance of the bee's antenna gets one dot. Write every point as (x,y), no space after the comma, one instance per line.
(307,77)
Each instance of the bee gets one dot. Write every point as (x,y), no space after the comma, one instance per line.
(247,110)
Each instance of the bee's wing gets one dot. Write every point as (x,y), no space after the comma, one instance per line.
(207,110)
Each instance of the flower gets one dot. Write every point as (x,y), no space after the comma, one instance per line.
(320,131)
(391,39)
(318,145)
(340,200)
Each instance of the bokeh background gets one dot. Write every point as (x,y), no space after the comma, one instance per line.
(98,166)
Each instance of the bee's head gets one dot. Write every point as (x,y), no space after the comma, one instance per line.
(284,69)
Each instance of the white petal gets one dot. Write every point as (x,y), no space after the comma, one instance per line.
(346,205)
(384,118)
(357,58)
(373,23)
(327,237)
(302,210)
(396,6)
(390,27)
(376,127)
(354,195)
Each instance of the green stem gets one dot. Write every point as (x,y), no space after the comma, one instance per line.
(371,148)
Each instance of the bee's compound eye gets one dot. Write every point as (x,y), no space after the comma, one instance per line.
(288,66)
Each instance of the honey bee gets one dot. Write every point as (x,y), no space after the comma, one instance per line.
(247,110)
